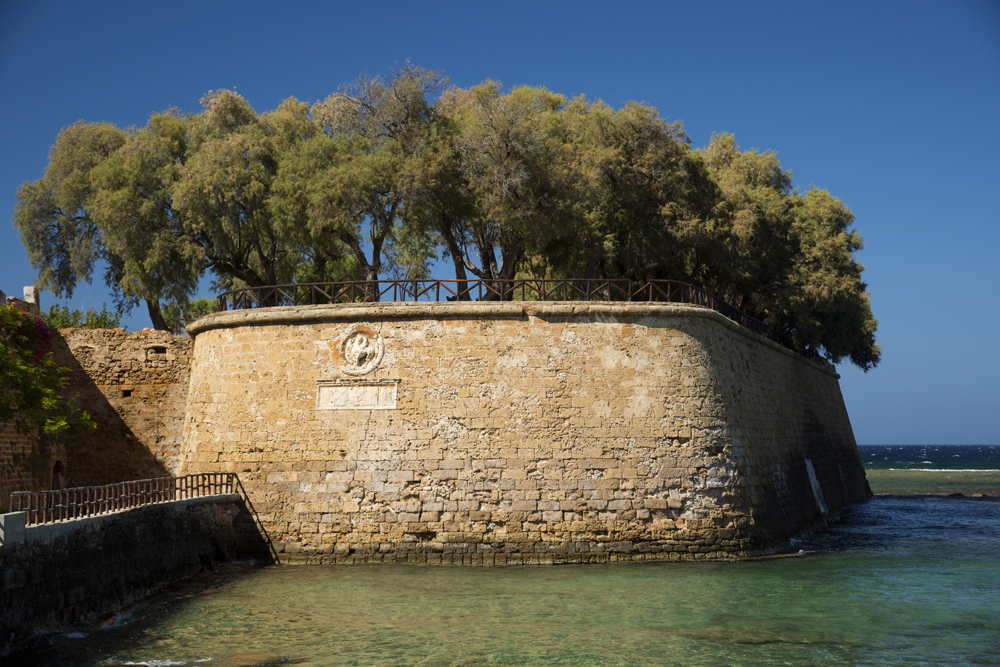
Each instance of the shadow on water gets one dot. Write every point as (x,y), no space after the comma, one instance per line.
(878,523)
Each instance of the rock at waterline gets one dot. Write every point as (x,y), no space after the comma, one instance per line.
(245,660)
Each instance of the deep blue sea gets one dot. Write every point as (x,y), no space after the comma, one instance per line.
(932,458)
(904,579)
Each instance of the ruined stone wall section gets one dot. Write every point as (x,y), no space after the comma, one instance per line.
(24,457)
(518,432)
(23,463)
(135,386)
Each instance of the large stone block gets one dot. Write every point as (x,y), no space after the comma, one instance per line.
(12,527)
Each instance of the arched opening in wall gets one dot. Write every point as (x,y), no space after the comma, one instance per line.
(58,476)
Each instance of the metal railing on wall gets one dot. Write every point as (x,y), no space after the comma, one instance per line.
(41,507)
(79,502)
(526,289)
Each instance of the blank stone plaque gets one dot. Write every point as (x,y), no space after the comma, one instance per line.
(356,394)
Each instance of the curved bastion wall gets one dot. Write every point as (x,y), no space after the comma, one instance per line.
(518,432)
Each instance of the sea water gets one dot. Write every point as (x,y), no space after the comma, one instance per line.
(933,469)
(900,580)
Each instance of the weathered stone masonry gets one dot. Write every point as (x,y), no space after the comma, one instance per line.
(135,386)
(518,432)
(24,457)
(24,462)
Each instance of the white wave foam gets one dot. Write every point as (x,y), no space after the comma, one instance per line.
(949,469)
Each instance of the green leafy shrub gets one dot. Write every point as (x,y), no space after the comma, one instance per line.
(30,381)
(178,317)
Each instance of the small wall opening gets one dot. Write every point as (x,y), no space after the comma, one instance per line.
(58,476)
(126,393)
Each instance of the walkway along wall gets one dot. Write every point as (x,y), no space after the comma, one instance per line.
(518,432)
(79,570)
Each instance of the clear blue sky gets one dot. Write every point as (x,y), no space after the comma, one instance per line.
(893,107)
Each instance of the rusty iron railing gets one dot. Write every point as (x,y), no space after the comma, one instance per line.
(526,289)
(84,501)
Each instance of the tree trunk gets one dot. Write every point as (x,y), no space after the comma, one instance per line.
(156,316)
(371,286)
(510,255)
(458,259)
(487,260)
(368,269)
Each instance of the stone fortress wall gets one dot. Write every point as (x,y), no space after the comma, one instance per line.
(133,384)
(468,432)
(24,457)
(58,574)
(24,463)
(518,432)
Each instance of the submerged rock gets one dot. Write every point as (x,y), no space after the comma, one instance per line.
(246,660)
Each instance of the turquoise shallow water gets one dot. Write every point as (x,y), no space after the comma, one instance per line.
(897,581)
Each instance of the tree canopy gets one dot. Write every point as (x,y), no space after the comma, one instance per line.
(389,173)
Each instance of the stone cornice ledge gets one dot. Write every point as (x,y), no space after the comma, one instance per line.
(478,310)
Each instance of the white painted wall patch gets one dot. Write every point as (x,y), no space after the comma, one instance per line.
(817,490)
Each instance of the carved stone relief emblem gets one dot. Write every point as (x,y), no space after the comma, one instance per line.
(358,351)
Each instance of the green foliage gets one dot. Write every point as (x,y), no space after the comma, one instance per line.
(408,251)
(179,316)
(57,317)
(317,267)
(641,188)
(829,305)
(785,258)
(63,240)
(390,173)
(133,204)
(68,218)
(347,186)
(221,199)
(30,379)
(516,166)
